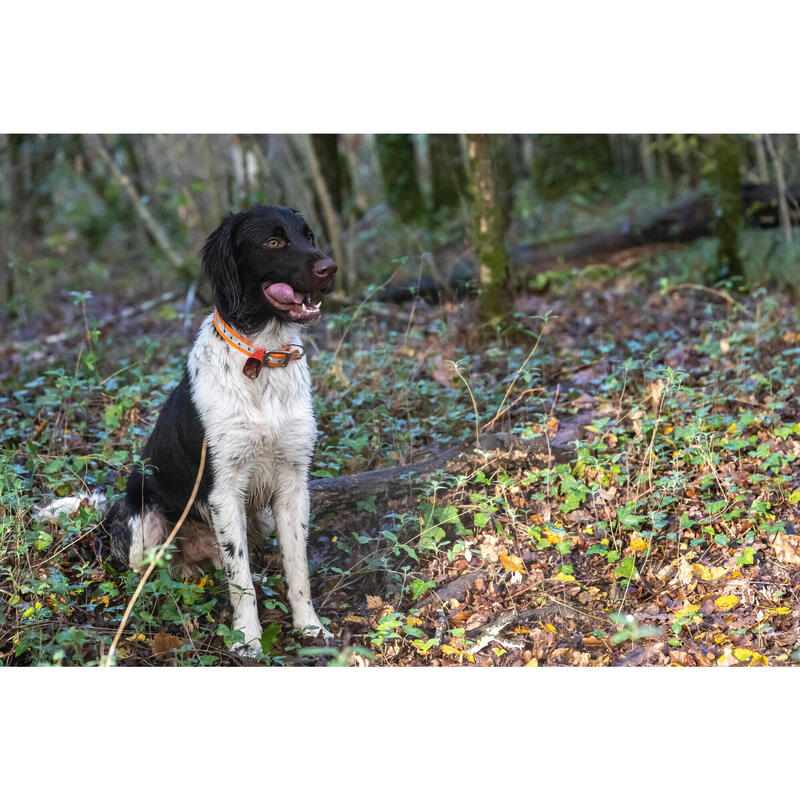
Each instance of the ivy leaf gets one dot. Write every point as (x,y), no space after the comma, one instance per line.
(626,569)
(480,520)
(746,557)
(269,636)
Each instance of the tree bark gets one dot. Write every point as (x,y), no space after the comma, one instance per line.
(332,221)
(504,176)
(333,167)
(761,158)
(490,246)
(783,204)
(646,155)
(725,151)
(663,160)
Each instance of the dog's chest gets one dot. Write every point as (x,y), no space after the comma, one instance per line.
(257,422)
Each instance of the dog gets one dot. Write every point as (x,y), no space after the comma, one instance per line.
(246,389)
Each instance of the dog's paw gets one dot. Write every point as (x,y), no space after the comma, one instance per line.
(314,629)
(251,646)
(246,650)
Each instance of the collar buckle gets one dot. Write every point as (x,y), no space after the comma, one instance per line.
(281,358)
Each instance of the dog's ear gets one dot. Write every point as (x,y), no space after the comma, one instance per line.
(219,265)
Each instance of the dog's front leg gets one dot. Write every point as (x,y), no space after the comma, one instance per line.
(290,507)
(230,527)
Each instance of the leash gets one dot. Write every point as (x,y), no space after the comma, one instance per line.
(257,356)
(107,661)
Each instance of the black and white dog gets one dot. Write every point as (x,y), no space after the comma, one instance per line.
(246,388)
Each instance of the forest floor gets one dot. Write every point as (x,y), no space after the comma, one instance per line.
(670,537)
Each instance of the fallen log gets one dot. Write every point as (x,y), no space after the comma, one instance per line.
(495,449)
(680,223)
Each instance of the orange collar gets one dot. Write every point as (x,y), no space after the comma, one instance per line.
(257,356)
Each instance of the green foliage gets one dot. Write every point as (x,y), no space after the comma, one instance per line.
(676,481)
(576,163)
(398,167)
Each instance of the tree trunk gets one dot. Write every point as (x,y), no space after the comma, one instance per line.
(726,156)
(783,205)
(663,161)
(448,175)
(399,171)
(329,215)
(490,246)
(333,166)
(504,176)
(646,154)
(761,158)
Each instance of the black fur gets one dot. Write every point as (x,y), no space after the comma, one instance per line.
(237,263)
(172,455)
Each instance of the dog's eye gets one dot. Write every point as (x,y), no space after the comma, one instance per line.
(273,242)
(310,237)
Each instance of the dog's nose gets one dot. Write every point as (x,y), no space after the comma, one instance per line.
(325,268)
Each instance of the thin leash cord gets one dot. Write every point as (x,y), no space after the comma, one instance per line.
(151,567)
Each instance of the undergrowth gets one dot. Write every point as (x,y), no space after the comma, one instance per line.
(678,490)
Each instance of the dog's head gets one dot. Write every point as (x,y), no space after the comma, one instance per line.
(263,263)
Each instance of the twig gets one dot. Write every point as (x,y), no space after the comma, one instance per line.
(510,406)
(151,567)
(457,370)
(725,295)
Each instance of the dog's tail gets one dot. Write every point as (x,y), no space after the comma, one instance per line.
(69,505)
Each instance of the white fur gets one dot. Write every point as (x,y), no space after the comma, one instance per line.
(261,436)
(147,530)
(69,505)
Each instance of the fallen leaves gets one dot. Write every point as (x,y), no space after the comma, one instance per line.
(787,548)
(687,573)
(512,563)
(164,643)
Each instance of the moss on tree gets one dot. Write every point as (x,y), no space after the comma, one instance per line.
(728,201)
(489,233)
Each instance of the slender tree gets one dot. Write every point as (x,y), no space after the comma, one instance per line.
(490,246)
(399,171)
(333,166)
(646,155)
(780,179)
(726,163)
(503,176)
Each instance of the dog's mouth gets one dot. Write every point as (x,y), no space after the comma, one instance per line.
(297,305)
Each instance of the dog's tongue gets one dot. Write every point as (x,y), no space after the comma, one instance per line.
(283,293)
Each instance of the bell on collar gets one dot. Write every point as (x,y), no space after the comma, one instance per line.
(252,367)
